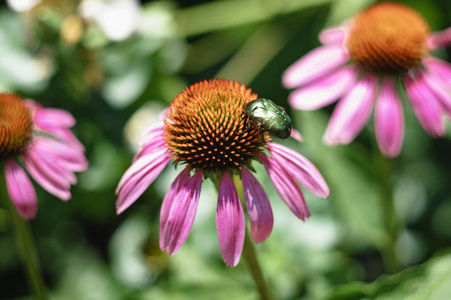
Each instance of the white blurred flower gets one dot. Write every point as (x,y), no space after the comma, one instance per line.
(117,18)
(22,5)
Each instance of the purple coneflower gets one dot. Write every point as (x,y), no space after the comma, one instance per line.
(205,132)
(41,139)
(362,61)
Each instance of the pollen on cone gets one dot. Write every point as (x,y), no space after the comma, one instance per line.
(205,129)
(15,126)
(388,38)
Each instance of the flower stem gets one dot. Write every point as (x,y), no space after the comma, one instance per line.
(254,266)
(26,247)
(390,219)
(250,255)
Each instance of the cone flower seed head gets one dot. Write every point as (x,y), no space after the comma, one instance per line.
(388,38)
(15,126)
(205,129)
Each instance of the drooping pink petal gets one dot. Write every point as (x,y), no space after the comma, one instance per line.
(258,207)
(286,187)
(332,35)
(52,117)
(51,183)
(324,91)
(152,141)
(438,68)
(157,144)
(178,211)
(296,135)
(51,165)
(138,178)
(168,200)
(67,137)
(229,222)
(314,65)
(389,120)
(300,168)
(352,112)
(440,89)
(425,105)
(20,190)
(69,157)
(54,122)
(439,39)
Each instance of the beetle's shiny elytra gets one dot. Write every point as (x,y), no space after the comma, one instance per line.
(269,117)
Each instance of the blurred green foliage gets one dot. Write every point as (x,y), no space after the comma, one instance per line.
(117,86)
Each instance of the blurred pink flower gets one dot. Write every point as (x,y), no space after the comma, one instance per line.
(361,62)
(205,131)
(40,137)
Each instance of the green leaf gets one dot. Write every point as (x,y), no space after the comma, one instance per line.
(431,280)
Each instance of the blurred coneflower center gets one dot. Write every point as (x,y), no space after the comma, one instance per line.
(205,130)
(15,126)
(388,38)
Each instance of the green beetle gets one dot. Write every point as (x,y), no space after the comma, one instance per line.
(269,117)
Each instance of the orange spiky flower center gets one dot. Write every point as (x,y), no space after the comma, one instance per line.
(388,38)
(205,129)
(15,126)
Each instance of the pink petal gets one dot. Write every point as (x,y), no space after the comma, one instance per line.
(21,190)
(52,117)
(50,164)
(72,158)
(352,112)
(65,136)
(138,177)
(157,144)
(314,65)
(258,207)
(323,91)
(56,188)
(439,39)
(296,135)
(168,200)
(389,120)
(439,68)
(178,211)
(286,187)
(425,105)
(440,89)
(332,35)
(229,221)
(300,168)
(151,142)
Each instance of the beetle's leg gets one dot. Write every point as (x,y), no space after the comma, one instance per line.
(262,131)
(246,124)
